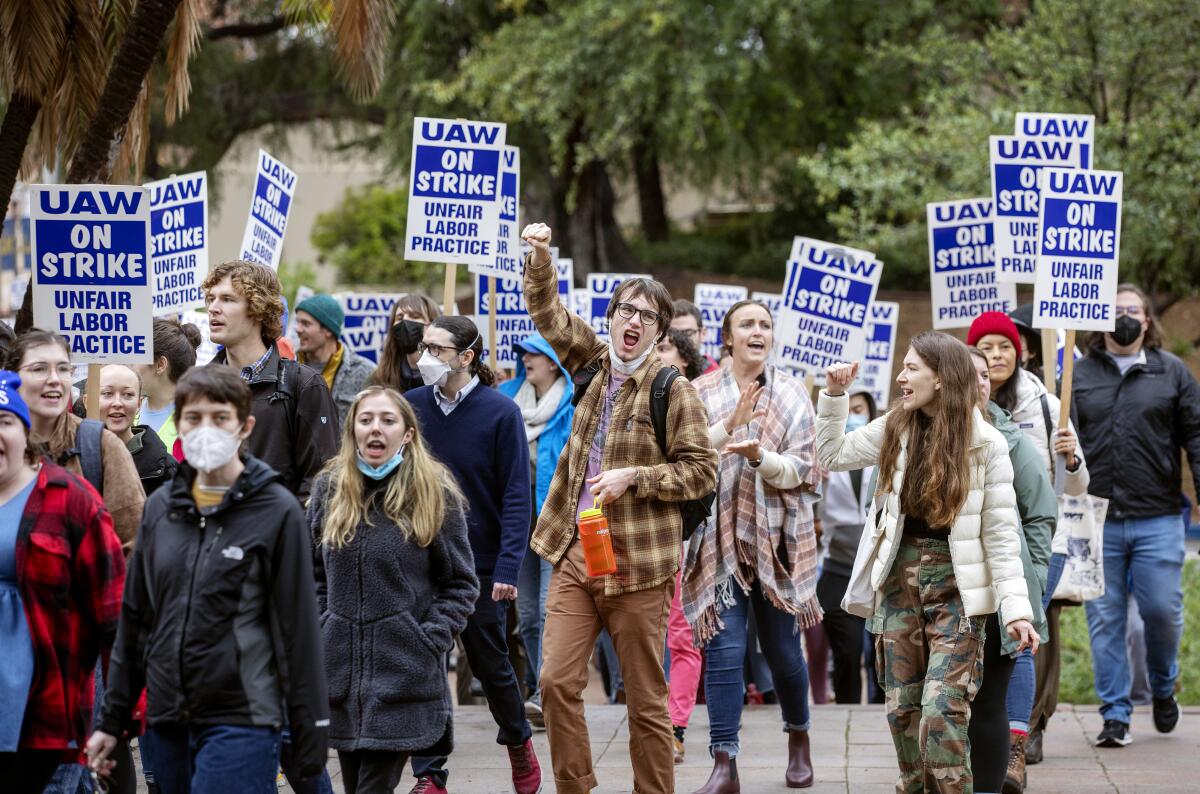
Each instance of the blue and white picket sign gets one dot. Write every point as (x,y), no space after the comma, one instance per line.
(581,303)
(773,301)
(566,279)
(508,259)
(1015,163)
(270,204)
(14,242)
(714,300)
(91,275)
(513,322)
(1081,127)
(454,192)
(826,298)
(601,287)
(962,263)
(368,321)
(875,373)
(208,348)
(178,241)
(1080,247)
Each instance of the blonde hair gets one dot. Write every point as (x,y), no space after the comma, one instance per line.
(415,499)
(259,285)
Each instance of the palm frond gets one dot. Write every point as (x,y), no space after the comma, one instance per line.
(184,39)
(131,159)
(32,38)
(361,29)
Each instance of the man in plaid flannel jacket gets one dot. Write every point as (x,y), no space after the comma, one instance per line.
(614,459)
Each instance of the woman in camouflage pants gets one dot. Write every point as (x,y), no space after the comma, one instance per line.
(941,552)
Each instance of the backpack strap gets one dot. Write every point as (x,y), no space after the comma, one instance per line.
(88,448)
(285,389)
(660,403)
(583,379)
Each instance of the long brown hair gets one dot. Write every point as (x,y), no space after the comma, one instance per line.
(938,474)
(1154,332)
(415,498)
(388,371)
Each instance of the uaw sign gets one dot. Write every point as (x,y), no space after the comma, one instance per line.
(91,276)
(274,188)
(366,327)
(178,241)
(962,263)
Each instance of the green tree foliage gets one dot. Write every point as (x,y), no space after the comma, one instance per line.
(1129,62)
(364,238)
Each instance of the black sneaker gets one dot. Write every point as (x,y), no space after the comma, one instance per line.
(1115,734)
(1033,748)
(1166,714)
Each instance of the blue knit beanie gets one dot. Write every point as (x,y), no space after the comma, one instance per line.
(325,310)
(10,396)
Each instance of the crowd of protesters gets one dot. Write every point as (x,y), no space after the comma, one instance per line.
(244,565)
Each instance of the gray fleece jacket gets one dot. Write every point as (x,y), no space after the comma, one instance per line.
(390,611)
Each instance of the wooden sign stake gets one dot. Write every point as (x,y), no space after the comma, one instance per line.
(448,291)
(1050,359)
(492,323)
(93,391)
(1064,411)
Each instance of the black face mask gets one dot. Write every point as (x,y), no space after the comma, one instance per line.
(408,334)
(1127,330)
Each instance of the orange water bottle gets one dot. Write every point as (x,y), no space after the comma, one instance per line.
(597,542)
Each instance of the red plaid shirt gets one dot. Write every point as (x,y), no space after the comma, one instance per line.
(71,572)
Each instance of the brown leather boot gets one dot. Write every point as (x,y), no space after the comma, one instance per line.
(1014,779)
(799,769)
(724,777)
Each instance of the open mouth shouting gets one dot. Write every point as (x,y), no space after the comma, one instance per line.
(757,346)
(630,338)
(906,394)
(52,397)
(375,449)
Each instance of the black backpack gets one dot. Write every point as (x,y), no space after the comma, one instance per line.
(693,512)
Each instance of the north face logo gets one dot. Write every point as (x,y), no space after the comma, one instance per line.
(233,553)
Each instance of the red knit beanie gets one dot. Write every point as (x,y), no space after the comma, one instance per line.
(994,323)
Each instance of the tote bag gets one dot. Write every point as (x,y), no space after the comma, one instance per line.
(1081,531)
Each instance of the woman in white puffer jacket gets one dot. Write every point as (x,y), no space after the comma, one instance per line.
(940,551)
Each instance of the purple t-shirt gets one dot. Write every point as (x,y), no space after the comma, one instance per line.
(596,451)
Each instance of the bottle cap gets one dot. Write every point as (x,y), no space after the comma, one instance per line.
(595,512)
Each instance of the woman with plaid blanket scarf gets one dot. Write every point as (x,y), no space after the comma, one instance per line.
(759,551)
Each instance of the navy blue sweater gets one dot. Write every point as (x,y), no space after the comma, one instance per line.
(483,443)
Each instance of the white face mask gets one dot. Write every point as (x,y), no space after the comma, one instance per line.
(627,367)
(208,448)
(434,371)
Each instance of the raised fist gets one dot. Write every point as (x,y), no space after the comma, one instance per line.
(838,376)
(538,235)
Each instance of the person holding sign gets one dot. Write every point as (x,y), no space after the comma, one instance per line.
(1138,408)
(941,554)
(1033,695)
(318,324)
(295,421)
(61,574)
(395,584)
(398,362)
(480,435)
(613,460)
(762,423)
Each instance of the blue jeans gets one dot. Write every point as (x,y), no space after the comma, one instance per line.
(1023,685)
(724,685)
(215,759)
(533,583)
(1152,550)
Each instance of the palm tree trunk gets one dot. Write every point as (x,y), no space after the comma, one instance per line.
(94,159)
(14,135)
(97,152)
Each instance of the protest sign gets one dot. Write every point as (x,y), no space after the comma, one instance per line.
(507,261)
(962,264)
(581,303)
(826,297)
(178,241)
(1015,163)
(713,301)
(773,301)
(14,242)
(208,348)
(367,321)
(513,322)
(1080,221)
(1079,126)
(274,189)
(601,288)
(91,276)
(876,371)
(454,192)
(566,279)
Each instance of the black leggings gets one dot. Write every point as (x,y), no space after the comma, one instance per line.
(989,715)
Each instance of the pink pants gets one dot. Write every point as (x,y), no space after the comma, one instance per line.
(685,661)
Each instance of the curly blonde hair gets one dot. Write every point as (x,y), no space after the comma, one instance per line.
(259,285)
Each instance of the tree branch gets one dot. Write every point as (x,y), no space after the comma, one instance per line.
(246,30)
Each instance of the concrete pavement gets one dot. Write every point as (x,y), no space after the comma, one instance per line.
(852,753)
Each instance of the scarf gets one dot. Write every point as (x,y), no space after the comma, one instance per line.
(538,412)
(759,533)
(329,372)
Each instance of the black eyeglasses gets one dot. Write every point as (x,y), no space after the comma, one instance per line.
(437,350)
(627,310)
